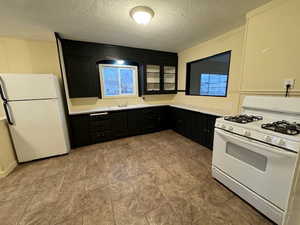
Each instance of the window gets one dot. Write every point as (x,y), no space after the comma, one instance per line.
(118,80)
(213,84)
(208,76)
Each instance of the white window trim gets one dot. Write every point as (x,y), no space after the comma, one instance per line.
(135,81)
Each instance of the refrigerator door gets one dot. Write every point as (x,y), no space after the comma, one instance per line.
(28,86)
(38,129)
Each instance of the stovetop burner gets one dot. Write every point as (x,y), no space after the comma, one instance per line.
(243,118)
(283,127)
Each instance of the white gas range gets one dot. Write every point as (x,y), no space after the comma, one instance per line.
(255,153)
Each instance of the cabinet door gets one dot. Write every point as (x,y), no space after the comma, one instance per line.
(118,124)
(152,76)
(107,126)
(165,117)
(151,119)
(169,79)
(210,131)
(83,76)
(196,126)
(180,121)
(79,126)
(141,121)
(134,121)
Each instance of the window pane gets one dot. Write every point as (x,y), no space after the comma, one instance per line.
(126,81)
(213,84)
(111,81)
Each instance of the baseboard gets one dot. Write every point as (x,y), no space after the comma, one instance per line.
(10,168)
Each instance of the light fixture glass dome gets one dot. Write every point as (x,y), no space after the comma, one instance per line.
(142,14)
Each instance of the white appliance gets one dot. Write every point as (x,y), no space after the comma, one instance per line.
(256,163)
(35,113)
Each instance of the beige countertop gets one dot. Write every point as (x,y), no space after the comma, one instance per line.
(117,108)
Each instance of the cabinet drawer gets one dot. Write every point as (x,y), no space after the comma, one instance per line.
(100,116)
(107,126)
(101,136)
(100,125)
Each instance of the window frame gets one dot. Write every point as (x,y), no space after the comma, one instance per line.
(188,78)
(135,81)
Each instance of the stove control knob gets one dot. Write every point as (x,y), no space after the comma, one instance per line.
(247,133)
(281,142)
(268,139)
(223,126)
(230,128)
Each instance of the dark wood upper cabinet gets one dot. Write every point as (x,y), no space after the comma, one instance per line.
(81,60)
(160,79)
(82,76)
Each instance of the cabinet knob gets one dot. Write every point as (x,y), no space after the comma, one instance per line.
(281,142)
(247,133)
(268,139)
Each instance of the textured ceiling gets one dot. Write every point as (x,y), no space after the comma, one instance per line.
(177,24)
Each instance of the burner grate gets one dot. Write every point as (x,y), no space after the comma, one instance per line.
(243,118)
(283,127)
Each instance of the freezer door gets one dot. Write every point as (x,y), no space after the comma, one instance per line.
(38,129)
(28,86)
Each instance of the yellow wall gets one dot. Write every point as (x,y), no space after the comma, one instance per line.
(22,56)
(28,56)
(272,47)
(232,40)
(264,53)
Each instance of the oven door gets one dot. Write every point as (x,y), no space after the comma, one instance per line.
(265,169)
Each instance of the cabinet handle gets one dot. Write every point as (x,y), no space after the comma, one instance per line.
(99,114)
(2,91)
(7,112)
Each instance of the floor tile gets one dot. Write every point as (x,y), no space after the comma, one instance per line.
(102,216)
(127,211)
(164,215)
(149,197)
(76,220)
(159,178)
(12,211)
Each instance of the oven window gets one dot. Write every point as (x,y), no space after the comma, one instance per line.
(252,158)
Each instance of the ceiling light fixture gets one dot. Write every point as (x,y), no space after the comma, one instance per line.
(142,14)
(120,62)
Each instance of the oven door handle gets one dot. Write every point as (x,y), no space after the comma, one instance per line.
(270,149)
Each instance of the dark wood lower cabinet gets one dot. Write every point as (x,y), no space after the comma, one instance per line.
(196,126)
(106,126)
(97,127)
(79,130)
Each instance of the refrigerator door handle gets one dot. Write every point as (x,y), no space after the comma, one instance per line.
(7,110)
(2,92)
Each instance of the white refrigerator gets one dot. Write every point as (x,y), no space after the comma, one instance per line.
(35,113)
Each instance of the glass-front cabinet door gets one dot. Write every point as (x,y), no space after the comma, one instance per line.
(160,79)
(153,78)
(169,78)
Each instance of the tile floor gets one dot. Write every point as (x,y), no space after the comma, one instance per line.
(154,179)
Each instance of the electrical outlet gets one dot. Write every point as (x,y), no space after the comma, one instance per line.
(290,82)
